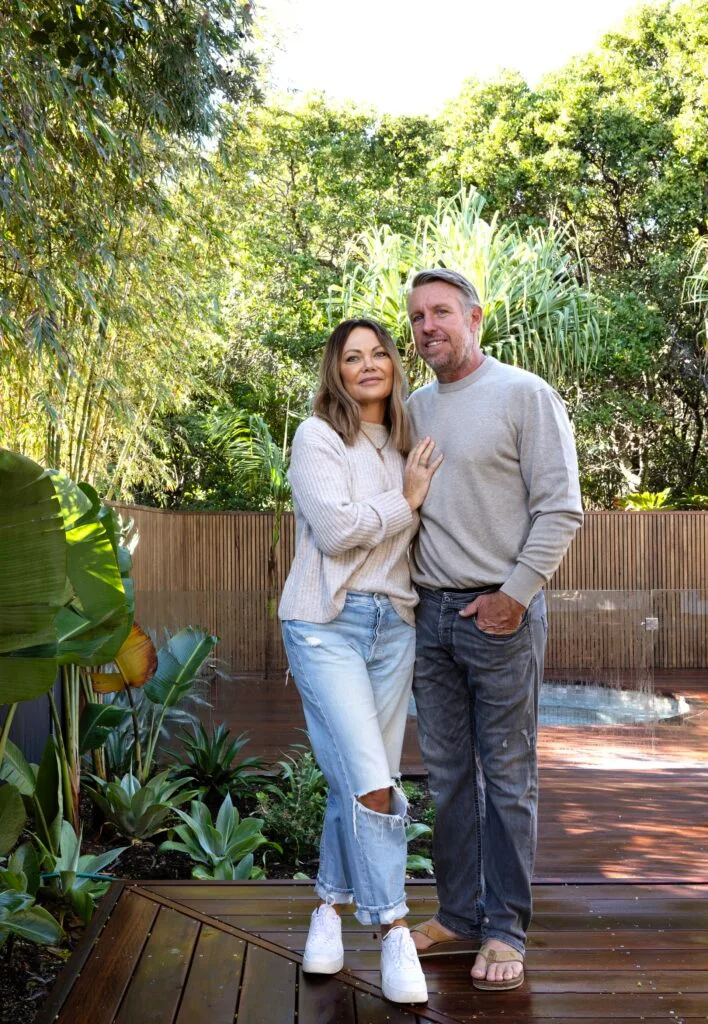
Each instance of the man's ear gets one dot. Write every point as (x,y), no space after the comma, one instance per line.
(475,317)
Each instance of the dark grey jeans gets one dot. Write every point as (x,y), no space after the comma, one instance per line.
(477,701)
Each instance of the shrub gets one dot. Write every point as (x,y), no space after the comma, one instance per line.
(222,850)
(294,806)
(139,812)
(209,761)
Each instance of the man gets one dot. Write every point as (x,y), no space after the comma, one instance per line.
(499,516)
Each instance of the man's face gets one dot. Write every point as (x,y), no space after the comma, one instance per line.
(446,336)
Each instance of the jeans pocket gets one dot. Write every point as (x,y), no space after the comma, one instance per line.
(501,638)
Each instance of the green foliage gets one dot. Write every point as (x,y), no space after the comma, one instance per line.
(179,662)
(19,915)
(140,812)
(62,593)
(538,310)
(12,817)
(222,849)
(96,724)
(67,874)
(41,788)
(294,805)
(208,761)
(116,97)
(22,871)
(119,747)
(416,861)
(665,501)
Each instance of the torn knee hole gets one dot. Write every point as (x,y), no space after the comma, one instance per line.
(378,800)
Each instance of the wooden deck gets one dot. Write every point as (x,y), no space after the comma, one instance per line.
(270,711)
(186,953)
(619,933)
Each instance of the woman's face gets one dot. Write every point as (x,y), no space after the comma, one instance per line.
(366,368)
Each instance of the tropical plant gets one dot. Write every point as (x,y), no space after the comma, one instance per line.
(22,870)
(66,599)
(40,786)
(19,915)
(294,805)
(209,762)
(74,879)
(533,285)
(179,662)
(222,849)
(139,812)
(120,746)
(259,465)
(416,861)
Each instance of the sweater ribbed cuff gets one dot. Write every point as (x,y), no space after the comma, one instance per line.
(394,510)
(523,584)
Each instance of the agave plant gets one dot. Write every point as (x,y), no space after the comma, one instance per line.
(76,879)
(222,849)
(139,812)
(208,760)
(538,310)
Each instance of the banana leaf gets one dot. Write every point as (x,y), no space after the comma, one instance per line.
(65,595)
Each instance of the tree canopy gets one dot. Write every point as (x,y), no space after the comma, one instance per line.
(172,238)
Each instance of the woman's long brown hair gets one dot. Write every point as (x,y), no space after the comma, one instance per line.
(336,407)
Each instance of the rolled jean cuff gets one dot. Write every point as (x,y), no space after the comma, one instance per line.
(490,933)
(330,894)
(382,915)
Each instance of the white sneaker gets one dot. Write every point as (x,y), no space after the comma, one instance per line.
(402,978)
(324,952)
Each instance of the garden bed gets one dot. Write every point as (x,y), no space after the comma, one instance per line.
(29,971)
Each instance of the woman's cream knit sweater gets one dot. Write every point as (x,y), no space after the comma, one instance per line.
(353,525)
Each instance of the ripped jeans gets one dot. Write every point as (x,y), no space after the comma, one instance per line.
(354,675)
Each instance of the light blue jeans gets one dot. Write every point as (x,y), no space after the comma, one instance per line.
(354,675)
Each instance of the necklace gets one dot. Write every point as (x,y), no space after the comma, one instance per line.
(379,448)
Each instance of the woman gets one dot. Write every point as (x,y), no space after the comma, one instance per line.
(348,628)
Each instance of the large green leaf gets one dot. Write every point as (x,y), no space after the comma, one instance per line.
(178,662)
(48,796)
(63,597)
(25,861)
(35,924)
(12,817)
(96,722)
(32,575)
(16,769)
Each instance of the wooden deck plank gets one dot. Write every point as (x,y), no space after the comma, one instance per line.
(67,977)
(212,987)
(268,992)
(324,1000)
(374,1011)
(579,969)
(524,1007)
(106,975)
(155,989)
(455,979)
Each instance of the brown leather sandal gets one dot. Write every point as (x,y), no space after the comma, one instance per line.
(442,944)
(499,956)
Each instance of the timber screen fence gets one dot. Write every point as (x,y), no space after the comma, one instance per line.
(631,594)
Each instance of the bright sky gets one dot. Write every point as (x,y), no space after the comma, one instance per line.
(410,56)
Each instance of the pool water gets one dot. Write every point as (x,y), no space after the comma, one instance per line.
(588,704)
